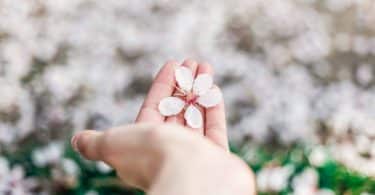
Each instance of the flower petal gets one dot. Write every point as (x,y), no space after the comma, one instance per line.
(202,84)
(184,78)
(211,98)
(193,117)
(171,106)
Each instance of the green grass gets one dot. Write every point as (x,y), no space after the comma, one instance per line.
(332,175)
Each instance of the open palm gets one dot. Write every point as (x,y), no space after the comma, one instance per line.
(164,85)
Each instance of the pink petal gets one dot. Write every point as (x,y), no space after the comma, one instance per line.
(211,98)
(184,78)
(202,84)
(193,117)
(171,106)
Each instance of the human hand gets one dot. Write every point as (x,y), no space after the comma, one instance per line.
(164,158)
(164,85)
(167,160)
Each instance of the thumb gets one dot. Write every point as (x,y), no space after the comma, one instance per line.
(88,144)
(124,149)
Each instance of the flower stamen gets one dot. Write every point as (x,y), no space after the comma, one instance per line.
(191,98)
(180,90)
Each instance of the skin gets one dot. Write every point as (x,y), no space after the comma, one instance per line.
(162,155)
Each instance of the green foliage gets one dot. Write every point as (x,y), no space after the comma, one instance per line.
(332,175)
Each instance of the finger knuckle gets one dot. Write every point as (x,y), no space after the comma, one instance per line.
(154,134)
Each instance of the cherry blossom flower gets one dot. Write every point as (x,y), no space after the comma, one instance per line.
(274,179)
(50,154)
(306,183)
(13,179)
(318,156)
(189,94)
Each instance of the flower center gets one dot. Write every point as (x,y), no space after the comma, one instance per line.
(191,98)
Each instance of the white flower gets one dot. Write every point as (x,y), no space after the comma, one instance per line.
(274,179)
(364,74)
(362,143)
(366,193)
(49,154)
(13,180)
(91,192)
(318,156)
(191,92)
(306,182)
(70,167)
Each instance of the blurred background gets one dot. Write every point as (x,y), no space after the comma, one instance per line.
(297,75)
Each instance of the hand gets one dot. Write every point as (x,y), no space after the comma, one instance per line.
(163,158)
(163,86)
(167,160)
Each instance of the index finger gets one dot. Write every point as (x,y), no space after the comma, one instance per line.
(215,120)
(163,86)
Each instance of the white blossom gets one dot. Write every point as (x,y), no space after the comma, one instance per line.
(70,167)
(13,180)
(365,74)
(274,179)
(50,154)
(305,183)
(318,156)
(193,91)
(91,192)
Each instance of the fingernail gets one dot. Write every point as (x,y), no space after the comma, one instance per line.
(73,142)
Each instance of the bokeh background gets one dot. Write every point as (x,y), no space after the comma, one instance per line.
(297,75)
